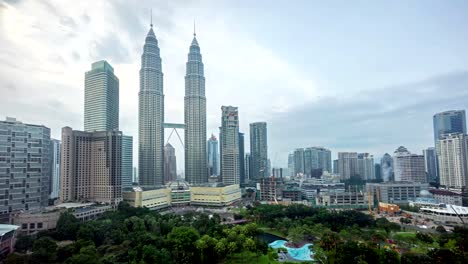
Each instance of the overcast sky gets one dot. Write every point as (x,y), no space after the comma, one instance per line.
(362,76)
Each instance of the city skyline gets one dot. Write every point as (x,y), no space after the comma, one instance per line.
(387,106)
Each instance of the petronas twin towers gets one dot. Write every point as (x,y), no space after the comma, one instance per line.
(151,116)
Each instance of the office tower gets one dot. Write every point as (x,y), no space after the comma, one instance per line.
(298,161)
(91,166)
(229,140)
(247,167)
(449,122)
(127,161)
(316,158)
(54,159)
(408,167)
(291,164)
(170,164)
(347,164)
(24,167)
(452,153)
(430,164)
(378,172)
(213,156)
(258,150)
(386,166)
(365,164)
(101,103)
(335,167)
(195,117)
(151,115)
(241,158)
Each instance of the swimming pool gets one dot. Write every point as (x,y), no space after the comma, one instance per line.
(302,253)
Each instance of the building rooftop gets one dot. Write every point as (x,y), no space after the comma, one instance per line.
(7,228)
(444,192)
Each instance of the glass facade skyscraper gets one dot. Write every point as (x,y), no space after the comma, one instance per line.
(241,157)
(24,167)
(101,104)
(196,171)
(127,161)
(449,122)
(430,162)
(259,150)
(55,155)
(151,115)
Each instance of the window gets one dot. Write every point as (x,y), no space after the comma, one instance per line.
(39,225)
(24,226)
(32,225)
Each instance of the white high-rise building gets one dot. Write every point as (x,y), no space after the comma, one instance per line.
(347,164)
(408,167)
(452,153)
(229,141)
(54,184)
(151,115)
(196,169)
(366,167)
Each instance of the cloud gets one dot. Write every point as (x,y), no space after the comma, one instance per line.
(375,121)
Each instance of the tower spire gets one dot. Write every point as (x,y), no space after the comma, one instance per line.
(151,17)
(194,31)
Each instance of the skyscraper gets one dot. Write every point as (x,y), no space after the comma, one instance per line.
(365,168)
(196,171)
(91,166)
(54,182)
(229,140)
(24,167)
(291,164)
(386,167)
(453,121)
(101,104)
(241,157)
(247,167)
(298,161)
(151,115)
(316,158)
(347,164)
(378,172)
(335,167)
(430,164)
(452,153)
(258,150)
(170,164)
(213,156)
(408,167)
(127,161)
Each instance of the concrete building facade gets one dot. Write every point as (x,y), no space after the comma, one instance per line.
(229,149)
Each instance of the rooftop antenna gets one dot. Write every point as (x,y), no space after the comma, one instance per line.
(151,17)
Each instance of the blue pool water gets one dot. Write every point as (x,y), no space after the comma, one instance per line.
(302,253)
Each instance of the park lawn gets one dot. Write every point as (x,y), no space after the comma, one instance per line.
(273,232)
(404,235)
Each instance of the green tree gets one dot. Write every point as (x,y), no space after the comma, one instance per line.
(67,226)
(296,234)
(24,243)
(182,239)
(44,250)
(329,241)
(87,255)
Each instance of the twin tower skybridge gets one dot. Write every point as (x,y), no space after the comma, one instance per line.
(174,127)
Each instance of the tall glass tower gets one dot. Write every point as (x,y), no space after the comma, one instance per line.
(151,115)
(101,103)
(213,156)
(259,150)
(449,122)
(196,170)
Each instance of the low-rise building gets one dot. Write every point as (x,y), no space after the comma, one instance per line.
(447,197)
(153,199)
(346,199)
(32,222)
(7,239)
(215,194)
(270,188)
(395,192)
